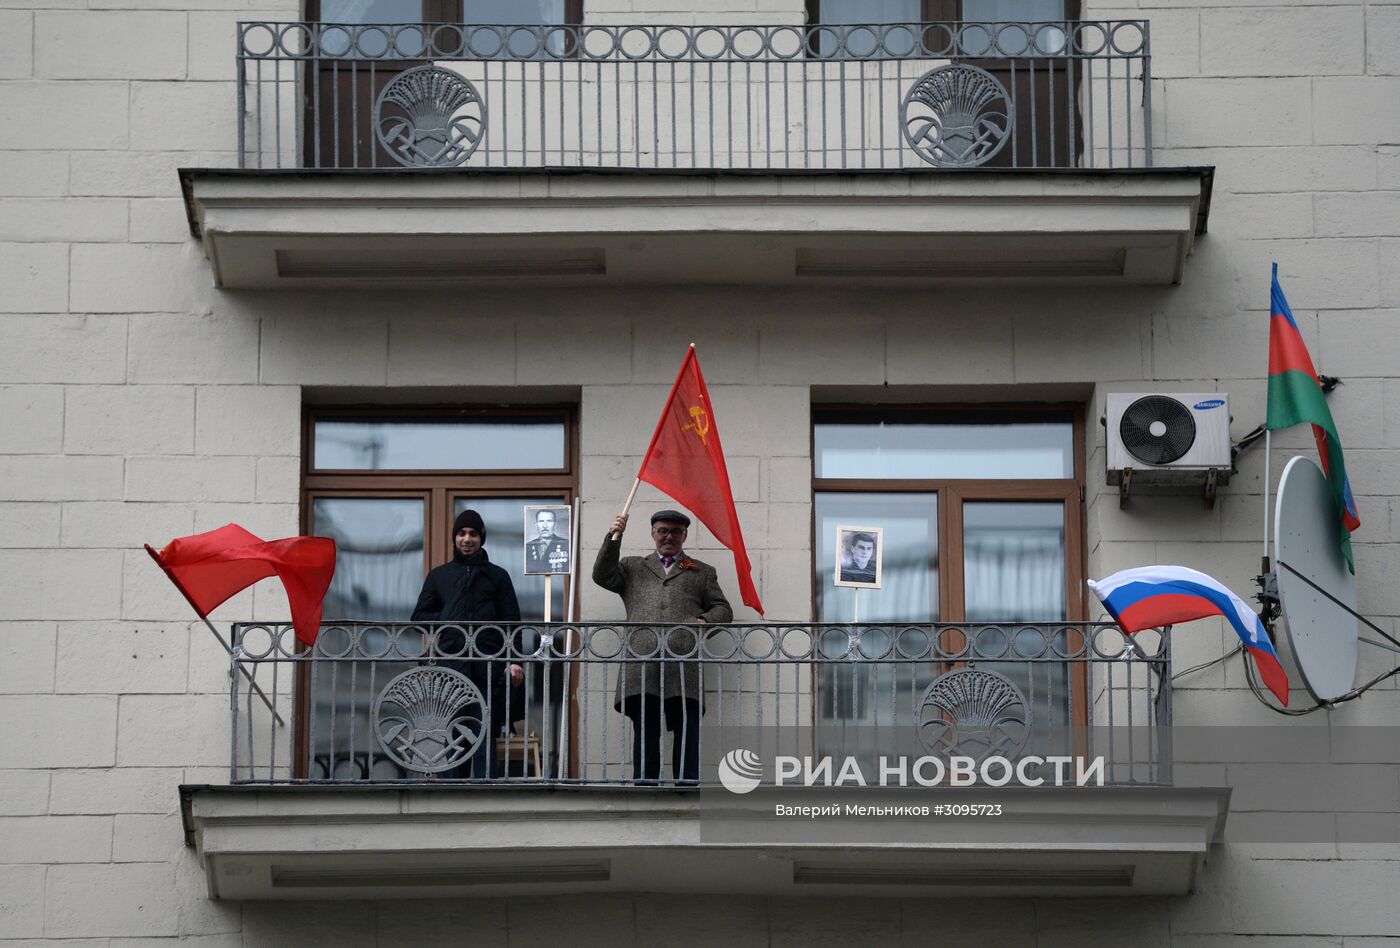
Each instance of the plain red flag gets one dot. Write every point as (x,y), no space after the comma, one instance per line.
(211,567)
(685,460)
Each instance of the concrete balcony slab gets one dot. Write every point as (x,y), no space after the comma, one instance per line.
(345,842)
(288,228)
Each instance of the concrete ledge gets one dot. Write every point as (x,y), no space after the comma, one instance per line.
(293,228)
(300,842)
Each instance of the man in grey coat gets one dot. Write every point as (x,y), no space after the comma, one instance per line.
(667,588)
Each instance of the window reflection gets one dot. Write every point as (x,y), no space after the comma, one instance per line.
(371,44)
(1014,561)
(885,450)
(505,546)
(522,45)
(1014,571)
(371,11)
(909,592)
(1047,39)
(448,445)
(861,43)
(855,697)
(379,555)
(540,701)
(378,573)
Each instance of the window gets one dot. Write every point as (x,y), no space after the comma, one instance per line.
(1031,63)
(981,521)
(858,43)
(386,486)
(355,65)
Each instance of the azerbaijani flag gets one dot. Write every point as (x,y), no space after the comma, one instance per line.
(1295,397)
(1146,597)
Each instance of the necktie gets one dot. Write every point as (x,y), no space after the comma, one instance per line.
(666,561)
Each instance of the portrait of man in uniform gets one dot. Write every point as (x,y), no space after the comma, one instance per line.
(546,540)
(859,561)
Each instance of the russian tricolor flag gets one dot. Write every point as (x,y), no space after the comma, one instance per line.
(1147,597)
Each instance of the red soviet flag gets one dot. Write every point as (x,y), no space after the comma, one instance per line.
(686,461)
(211,567)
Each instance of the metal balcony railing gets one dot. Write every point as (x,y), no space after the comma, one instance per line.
(409,703)
(1067,94)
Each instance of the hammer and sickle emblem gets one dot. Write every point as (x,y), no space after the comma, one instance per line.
(700,425)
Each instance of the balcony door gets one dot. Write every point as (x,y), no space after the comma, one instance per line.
(980,518)
(387,486)
(1034,66)
(355,64)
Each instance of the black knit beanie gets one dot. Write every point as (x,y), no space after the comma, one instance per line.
(469,518)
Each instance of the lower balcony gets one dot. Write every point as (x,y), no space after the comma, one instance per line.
(874,760)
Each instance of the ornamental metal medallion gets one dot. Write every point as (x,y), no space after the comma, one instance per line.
(429,719)
(973,713)
(430,117)
(956,116)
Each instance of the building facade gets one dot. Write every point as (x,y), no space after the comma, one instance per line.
(351,280)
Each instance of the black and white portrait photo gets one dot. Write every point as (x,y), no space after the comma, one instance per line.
(546,540)
(858,556)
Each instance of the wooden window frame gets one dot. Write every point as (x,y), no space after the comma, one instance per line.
(438,490)
(952,493)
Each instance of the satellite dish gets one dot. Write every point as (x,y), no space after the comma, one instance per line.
(1156,429)
(1307,541)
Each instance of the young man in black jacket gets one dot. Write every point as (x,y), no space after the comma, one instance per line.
(472,589)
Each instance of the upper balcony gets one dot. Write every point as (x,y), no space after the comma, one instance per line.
(414,765)
(924,152)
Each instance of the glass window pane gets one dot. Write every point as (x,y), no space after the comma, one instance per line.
(505,546)
(433,445)
(371,11)
(378,574)
(522,45)
(871,11)
(1012,11)
(539,701)
(1050,39)
(525,12)
(909,578)
(510,12)
(1014,561)
(887,450)
(1014,571)
(853,697)
(862,42)
(379,555)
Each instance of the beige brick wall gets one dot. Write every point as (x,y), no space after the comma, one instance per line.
(137,403)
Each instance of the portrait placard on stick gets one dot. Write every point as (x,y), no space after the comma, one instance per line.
(547,548)
(859,551)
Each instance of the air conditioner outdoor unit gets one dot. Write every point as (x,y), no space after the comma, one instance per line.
(1168,440)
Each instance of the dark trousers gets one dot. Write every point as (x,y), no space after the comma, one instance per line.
(503,705)
(682,716)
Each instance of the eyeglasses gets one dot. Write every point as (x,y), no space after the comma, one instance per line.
(668,531)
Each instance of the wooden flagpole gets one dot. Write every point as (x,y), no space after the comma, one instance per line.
(565,698)
(631,495)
